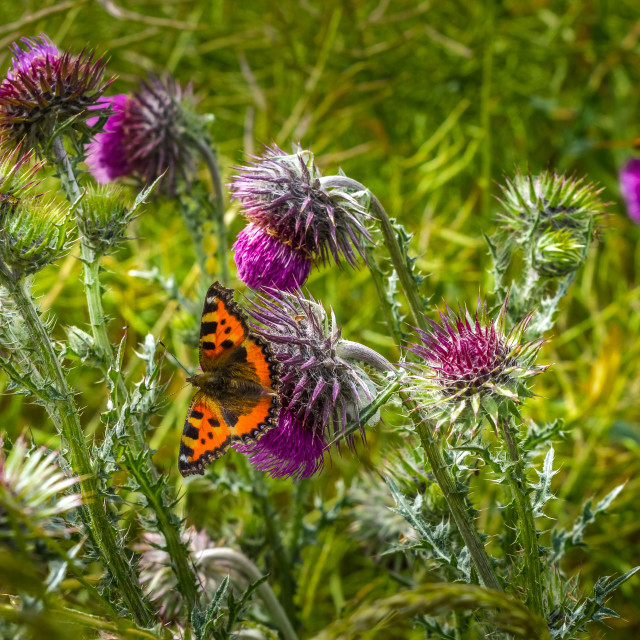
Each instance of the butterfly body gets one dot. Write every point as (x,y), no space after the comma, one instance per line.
(237,397)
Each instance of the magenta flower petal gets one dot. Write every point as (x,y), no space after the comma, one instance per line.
(264,261)
(630,188)
(107,152)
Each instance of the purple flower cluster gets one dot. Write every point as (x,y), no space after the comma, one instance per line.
(293,221)
(320,390)
(146,134)
(44,88)
(471,363)
(630,188)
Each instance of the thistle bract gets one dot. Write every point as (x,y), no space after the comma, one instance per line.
(630,188)
(16,181)
(470,365)
(558,253)
(283,196)
(320,391)
(45,88)
(148,133)
(33,237)
(103,220)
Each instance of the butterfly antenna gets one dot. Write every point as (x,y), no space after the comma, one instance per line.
(174,359)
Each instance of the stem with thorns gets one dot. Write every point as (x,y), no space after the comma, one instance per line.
(90,261)
(518,483)
(72,434)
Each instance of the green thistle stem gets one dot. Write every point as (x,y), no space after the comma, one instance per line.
(90,261)
(455,499)
(73,436)
(518,483)
(392,244)
(214,170)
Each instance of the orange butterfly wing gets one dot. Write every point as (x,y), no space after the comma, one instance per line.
(249,406)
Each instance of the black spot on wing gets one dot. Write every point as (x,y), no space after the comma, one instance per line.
(208,327)
(238,355)
(194,413)
(213,422)
(208,346)
(190,431)
(227,344)
(229,417)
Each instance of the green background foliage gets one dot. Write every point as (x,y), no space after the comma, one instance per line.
(429,104)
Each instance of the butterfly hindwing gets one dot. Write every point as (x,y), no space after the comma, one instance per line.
(205,436)
(223,327)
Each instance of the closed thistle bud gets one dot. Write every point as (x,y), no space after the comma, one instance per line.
(294,221)
(322,385)
(470,365)
(46,87)
(558,253)
(103,219)
(534,205)
(34,236)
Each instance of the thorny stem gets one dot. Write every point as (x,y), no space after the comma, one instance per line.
(455,499)
(517,482)
(71,432)
(214,170)
(90,261)
(392,244)
(243,565)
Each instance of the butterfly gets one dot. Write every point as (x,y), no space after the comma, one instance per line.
(237,398)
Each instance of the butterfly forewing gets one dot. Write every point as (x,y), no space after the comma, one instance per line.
(223,327)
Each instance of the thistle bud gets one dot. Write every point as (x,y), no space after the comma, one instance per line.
(534,205)
(33,237)
(558,253)
(16,181)
(103,219)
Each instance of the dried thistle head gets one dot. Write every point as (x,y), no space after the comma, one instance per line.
(45,88)
(32,482)
(320,391)
(470,365)
(294,220)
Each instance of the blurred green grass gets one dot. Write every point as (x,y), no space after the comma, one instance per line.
(430,105)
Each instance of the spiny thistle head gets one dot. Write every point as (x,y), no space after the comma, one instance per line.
(548,202)
(17,178)
(35,236)
(44,89)
(295,221)
(31,480)
(148,133)
(104,218)
(320,390)
(471,365)
(630,188)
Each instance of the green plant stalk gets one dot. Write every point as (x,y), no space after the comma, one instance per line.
(392,244)
(223,242)
(180,559)
(71,431)
(90,261)
(455,500)
(517,483)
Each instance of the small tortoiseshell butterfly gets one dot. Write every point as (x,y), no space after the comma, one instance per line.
(237,397)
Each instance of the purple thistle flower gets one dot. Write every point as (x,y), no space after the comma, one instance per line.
(46,87)
(147,133)
(263,260)
(471,363)
(283,196)
(106,153)
(630,188)
(320,389)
